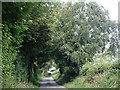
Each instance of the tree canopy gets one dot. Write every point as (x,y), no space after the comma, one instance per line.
(35,34)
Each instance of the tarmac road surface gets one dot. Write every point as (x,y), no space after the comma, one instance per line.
(48,83)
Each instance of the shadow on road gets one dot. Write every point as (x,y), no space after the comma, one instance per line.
(48,83)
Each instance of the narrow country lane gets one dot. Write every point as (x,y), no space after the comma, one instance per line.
(48,83)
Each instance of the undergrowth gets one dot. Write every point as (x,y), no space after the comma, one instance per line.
(96,76)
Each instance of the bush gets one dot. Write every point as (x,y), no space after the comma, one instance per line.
(69,74)
(101,75)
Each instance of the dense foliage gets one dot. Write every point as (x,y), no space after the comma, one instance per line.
(36,34)
(24,40)
(81,31)
(100,74)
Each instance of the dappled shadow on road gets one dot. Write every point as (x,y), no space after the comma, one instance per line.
(53,89)
(49,84)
